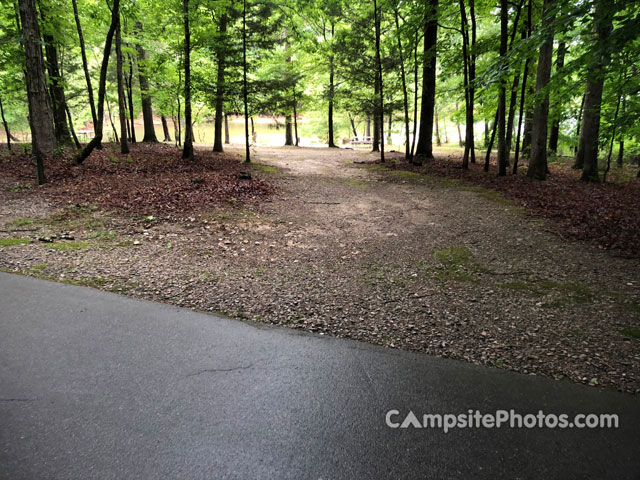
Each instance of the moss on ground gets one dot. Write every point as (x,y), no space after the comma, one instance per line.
(11,242)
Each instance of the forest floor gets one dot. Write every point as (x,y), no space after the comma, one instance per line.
(330,241)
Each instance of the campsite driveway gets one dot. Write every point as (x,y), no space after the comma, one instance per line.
(95,385)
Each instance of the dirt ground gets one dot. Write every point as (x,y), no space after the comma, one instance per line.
(352,250)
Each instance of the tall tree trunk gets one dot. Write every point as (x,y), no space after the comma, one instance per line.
(331,94)
(165,129)
(367,127)
(621,144)
(56,86)
(113,127)
(124,144)
(523,91)
(98,127)
(502,141)
(613,137)
(554,133)
(6,125)
(468,140)
(380,83)
(147,109)
(415,95)
(221,53)
(425,142)
(405,96)
(40,115)
(85,65)
(295,117)
(538,158)
(492,139)
(353,126)
(129,84)
(247,153)
(375,144)
(588,147)
(227,140)
(187,152)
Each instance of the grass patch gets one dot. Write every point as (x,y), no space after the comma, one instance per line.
(37,269)
(572,292)
(408,176)
(455,264)
(69,246)
(22,222)
(10,242)
(354,182)
(20,187)
(265,168)
(631,332)
(491,195)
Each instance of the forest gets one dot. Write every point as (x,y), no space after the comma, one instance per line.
(525,81)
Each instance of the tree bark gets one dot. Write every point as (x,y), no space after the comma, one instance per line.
(98,127)
(147,109)
(129,84)
(502,96)
(288,130)
(40,115)
(538,158)
(227,140)
(6,125)
(247,153)
(187,152)
(438,142)
(554,132)
(405,97)
(380,83)
(525,34)
(73,132)
(165,129)
(85,65)
(425,141)
(331,95)
(220,86)
(56,86)
(124,144)
(588,146)
(468,140)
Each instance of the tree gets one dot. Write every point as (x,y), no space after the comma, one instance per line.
(425,142)
(97,138)
(588,146)
(40,115)
(379,79)
(502,100)
(85,64)
(538,157)
(147,110)
(124,145)
(187,151)
(220,90)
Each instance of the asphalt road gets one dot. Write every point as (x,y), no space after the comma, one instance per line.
(95,385)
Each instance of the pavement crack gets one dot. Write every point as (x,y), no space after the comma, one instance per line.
(220,370)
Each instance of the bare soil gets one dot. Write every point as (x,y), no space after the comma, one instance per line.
(349,249)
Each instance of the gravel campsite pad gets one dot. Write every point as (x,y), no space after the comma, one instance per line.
(325,240)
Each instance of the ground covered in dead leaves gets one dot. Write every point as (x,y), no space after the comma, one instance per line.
(324,244)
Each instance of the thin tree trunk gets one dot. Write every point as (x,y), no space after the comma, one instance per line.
(438,142)
(554,133)
(129,84)
(124,144)
(73,132)
(40,115)
(6,125)
(613,137)
(98,128)
(375,145)
(525,34)
(415,97)
(165,129)
(367,128)
(513,99)
(588,147)
(487,157)
(353,126)
(244,82)
(227,140)
(126,109)
(405,97)
(85,65)
(220,85)
(579,124)
(380,83)
(502,144)
(147,109)
(187,152)
(113,127)
(468,140)
(331,93)
(425,142)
